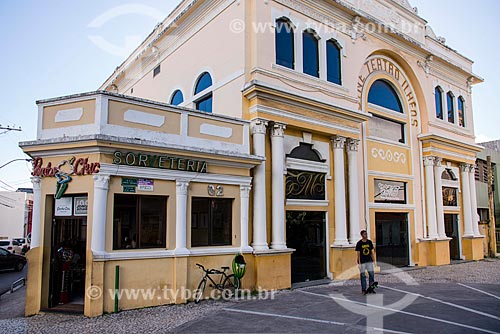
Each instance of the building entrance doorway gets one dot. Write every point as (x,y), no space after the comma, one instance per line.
(451,229)
(392,239)
(305,232)
(67,263)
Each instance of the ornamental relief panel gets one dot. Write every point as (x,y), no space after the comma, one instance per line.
(388,158)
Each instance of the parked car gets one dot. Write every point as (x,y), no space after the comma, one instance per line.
(12,246)
(11,261)
(23,242)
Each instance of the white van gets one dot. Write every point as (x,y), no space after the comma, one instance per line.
(12,246)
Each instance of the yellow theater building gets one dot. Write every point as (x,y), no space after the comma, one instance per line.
(277,129)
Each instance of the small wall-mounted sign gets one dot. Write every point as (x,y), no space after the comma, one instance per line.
(145,185)
(215,190)
(128,189)
(129,182)
(63,207)
(390,191)
(81,205)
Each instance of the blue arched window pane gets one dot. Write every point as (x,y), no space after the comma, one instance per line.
(438,96)
(451,107)
(461,112)
(203,83)
(310,52)
(205,103)
(177,98)
(333,62)
(284,44)
(382,94)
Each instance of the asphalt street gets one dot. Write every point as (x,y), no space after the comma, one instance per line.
(396,308)
(7,277)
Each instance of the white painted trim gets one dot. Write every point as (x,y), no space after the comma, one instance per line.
(282,113)
(391,175)
(388,141)
(200,251)
(40,122)
(69,131)
(68,115)
(306,165)
(216,131)
(436,151)
(392,206)
(306,202)
(171,175)
(140,117)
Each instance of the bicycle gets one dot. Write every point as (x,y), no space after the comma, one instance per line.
(227,283)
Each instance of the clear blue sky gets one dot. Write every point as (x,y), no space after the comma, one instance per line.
(47,51)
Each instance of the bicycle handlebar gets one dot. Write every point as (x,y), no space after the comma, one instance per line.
(212,271)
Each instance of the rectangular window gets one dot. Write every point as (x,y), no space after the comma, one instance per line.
(139,222)
(484,215)
(387,129)
(211,222)
(156,71)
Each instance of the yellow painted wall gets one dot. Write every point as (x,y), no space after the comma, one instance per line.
(88,116)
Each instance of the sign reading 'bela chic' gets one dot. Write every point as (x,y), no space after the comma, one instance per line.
(390,191)
(159,161)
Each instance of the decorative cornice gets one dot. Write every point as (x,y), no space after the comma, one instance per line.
(352,145)
(259,126)
(245,191)
(278,130)
(101,182)
(182,186)
(338,142)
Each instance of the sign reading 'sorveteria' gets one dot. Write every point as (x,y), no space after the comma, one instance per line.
(159,161)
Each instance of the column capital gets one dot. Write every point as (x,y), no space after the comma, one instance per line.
(465,168)
(101,181)
(182,186)
(429,161)
(438,161)
(278,130)
(352,144)
(472,168)
(245,190)
(37,182)
(259,126)
(338,142)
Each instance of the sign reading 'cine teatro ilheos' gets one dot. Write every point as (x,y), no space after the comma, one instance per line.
(159,161)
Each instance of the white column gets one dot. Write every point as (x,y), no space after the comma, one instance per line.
(466,200)
(339,180)
(99,211)
(244,200)
(259,187)
(36,219)
(430,197)
(438,171)
(352,161)
(474,214)
(278,186)
(181,192)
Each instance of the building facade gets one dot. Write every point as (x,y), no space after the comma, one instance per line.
(16,213)
(491,149)
(278,129)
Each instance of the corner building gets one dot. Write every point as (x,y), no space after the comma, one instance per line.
(278,129)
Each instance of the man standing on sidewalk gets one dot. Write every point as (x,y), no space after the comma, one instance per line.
(364,250)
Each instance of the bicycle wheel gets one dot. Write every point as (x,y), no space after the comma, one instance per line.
(198,293)
(230,285)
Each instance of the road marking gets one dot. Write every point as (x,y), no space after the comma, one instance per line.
(486,293)
(307,319)
(404,312)
(443,302)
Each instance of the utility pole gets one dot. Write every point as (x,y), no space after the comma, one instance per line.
(10,128)
(491,208)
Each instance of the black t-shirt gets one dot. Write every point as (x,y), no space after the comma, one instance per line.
(364,249)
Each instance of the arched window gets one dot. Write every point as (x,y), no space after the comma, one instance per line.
(438,97)
(177,98)
(451,107)
(333,62)
(461,111)
(204,103)
(382,94)
(310,53)
(284,43)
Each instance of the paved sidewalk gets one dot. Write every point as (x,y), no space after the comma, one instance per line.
(12,304)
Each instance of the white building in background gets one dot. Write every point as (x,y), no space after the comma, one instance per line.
(15,213)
